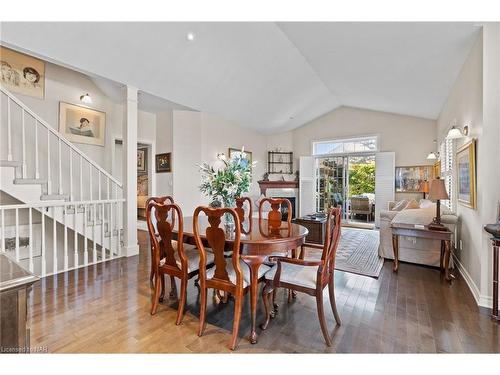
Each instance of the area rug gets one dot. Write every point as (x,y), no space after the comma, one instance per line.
(357,252)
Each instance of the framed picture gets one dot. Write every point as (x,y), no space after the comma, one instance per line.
(466,165)
(142,160)
(411,179)
(22,74)
(81,124)
(233,151)
(163,163)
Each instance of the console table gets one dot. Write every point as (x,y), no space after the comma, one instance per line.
(409,230)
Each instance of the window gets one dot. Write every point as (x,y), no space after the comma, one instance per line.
(346,146)
(447,158)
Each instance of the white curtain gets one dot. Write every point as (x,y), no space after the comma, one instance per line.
(384,182)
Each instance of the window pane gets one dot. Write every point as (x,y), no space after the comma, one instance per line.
(345,146)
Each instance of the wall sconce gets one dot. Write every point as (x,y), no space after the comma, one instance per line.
(433,155)
(455,133)
(86,99)
(221,156)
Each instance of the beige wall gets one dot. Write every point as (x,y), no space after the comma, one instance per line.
(473,101)
(164,128)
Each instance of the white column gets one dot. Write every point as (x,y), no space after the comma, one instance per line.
(129,178)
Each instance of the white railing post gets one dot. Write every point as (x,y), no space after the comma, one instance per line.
(118,242)
(44,262)
(37,170)
(17,234)
(31,240)
(71,196)
(85,242)
(9,136)
(111,229)
(75,243)
(54,241)
(49,179)
(24,172)
(103,237)
(94,242)
(60,165)
(90,181)
(81,172)
(65,218)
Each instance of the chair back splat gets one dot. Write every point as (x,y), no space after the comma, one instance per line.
(333,230)
(245,220)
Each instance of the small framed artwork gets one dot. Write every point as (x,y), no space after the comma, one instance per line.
(21,73)
(233,151)
(163,163)
(466,165)
(411,179)
(142,160)
(81,124)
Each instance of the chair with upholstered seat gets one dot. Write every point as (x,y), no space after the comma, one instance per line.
(171,257)
(308,276)
(230,275)
(245,218)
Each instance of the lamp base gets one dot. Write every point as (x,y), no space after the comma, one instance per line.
(437,226)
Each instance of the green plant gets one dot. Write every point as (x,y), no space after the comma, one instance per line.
(361,179)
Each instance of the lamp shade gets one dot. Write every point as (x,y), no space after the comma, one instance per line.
(454,133)
(432,156)
(425,187)
(437,190)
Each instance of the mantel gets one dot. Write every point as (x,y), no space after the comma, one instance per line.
(264,185)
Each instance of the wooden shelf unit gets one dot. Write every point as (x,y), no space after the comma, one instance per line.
(279,162)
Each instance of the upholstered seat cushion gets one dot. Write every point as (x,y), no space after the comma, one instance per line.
(193,257)
(295,274)
(244,268)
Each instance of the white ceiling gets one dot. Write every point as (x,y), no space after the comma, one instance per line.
(267,76)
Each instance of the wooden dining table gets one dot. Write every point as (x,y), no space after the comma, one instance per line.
(258,241)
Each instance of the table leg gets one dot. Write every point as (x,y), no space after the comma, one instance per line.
(494,314)
(447,254)
(395,249)
(254,262)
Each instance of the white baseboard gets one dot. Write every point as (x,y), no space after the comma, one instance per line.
(481,299)
(131,250)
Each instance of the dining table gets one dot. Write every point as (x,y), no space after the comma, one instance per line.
(258,240)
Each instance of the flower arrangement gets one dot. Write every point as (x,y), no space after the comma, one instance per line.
(222,185)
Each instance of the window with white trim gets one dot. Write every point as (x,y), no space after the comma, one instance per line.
(346,146)
(447,158)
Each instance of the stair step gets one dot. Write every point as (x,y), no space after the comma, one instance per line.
(30,181)
(54,197)
(11,163)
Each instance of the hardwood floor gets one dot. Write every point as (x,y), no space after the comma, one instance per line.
(105,309)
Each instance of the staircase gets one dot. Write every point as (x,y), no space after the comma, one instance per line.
(59,209)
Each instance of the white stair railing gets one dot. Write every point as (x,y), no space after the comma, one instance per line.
(95,220)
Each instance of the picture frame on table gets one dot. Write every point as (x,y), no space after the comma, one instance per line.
(164,162)
(466,174)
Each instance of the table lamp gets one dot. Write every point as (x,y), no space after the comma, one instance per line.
(425,187)
(437,191)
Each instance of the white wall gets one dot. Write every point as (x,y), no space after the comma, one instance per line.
(164,129)
(473,101)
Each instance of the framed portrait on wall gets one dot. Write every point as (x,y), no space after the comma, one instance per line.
(81,124)
(142,160)
(466,174)
(163,163)
(21,73)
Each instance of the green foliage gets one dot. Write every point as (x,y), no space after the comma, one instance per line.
(361,179)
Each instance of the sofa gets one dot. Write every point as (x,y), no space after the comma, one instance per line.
(414,250)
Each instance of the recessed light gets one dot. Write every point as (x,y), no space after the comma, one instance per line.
(190,36)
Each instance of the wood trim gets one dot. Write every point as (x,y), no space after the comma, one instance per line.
(264,185)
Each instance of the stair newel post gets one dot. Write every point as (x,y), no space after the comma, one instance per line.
(30,245)
(94,239)
(9,136)
(111,226)
(75,237)
(49,179)
(65,237)
(44,261)
(85,244)
(60,165)
(17,234)
(90,182)
(37,171)
(54,241)
(80,178)
(71,197)
(24,172)
(103,248)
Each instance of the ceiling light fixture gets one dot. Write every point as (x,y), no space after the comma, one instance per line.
(190,36)
(86,99)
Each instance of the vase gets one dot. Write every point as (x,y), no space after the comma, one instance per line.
(228,218)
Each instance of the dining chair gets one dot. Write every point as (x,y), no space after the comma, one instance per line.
(171,257)
(230,275)
(245,220)
(160,200)
(308,276)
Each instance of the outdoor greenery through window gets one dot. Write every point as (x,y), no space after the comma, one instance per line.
(345,146)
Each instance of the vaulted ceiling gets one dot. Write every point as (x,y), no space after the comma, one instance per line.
(267,76)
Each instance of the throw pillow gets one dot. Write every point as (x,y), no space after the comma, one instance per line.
(426,203)
(413,204)
(400,205)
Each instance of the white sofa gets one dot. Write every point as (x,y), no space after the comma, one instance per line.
(413,250)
